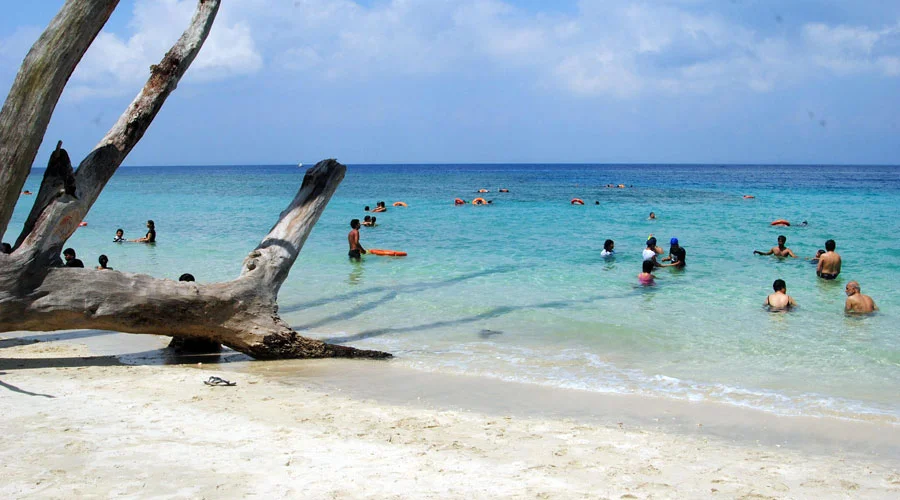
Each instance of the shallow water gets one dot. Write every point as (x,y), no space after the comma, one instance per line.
(518,291)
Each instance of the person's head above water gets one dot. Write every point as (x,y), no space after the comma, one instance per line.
(779,285)
(150,224)
(186,277)
(852,288)
(647,266)
(830,245)
(819,252)
(782,239)
(103,260)
(608,245)
(367,218)
(366,209)
(354,223)
(651,242)
(673,242)
(119,232)
(69,253)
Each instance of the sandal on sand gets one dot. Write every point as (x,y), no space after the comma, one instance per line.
(219,381)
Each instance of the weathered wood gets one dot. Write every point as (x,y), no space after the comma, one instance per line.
(242,313)
(36,90)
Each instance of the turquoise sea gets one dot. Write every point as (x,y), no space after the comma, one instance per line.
(518,290)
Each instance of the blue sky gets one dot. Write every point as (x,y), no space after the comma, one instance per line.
(435,81)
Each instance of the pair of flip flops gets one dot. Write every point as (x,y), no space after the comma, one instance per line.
(217,381)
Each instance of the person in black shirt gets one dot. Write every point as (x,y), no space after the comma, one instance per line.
(151,234)
(71,261)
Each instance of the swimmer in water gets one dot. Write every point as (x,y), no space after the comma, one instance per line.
(857,303)
(608,249)
(646,277)
(120,236)
(780,250)
(780,300)
(652,216)
(104,260)
(829,265)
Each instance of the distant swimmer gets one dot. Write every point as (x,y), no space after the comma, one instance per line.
(150,237)
(857,303)
(597,202)
(483,191)
(608,249)
(356,250)
(104,260)
(367,221)
(646,276)
(677,255)
(503,190)
(459,201)
(652,216)
(829,266)
(749,196)
(780,300)
(120,236)
(27,192)
(780,250)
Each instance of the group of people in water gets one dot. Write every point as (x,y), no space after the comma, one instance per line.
(828,267)
(71,260)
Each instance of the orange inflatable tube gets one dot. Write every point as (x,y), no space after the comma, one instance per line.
(389,253)
(459,201)
(479,201)
(400,204)
(577,201)
(780,222)
(82,224)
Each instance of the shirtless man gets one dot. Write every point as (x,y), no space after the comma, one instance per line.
(353,238)
(780,300)
(829,265)
(857,302)
(780,250)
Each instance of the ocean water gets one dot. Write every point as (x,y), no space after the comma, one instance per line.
(518,291)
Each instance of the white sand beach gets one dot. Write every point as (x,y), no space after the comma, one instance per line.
(75,424)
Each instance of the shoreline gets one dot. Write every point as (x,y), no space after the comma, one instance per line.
(79,423)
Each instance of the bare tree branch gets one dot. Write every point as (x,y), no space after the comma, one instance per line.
(36,90)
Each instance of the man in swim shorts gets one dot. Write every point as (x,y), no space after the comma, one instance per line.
(780,250)
(780,300)
(356,250)
(857,303)
(829,265)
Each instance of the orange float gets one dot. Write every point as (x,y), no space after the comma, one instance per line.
(483,191)
(780,222)
(577,201)
(82,224)
(400,204)
(388,253)
(459,201)
(479,201)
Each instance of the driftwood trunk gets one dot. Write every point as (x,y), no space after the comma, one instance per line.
(36,294)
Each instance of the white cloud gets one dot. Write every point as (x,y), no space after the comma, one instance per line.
(604,48)
(114,65)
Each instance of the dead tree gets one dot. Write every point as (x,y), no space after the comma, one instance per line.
(37,295)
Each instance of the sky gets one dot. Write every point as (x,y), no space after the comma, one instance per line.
(491,81)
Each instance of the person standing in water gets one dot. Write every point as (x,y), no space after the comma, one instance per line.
(780,250)
(356,250)
(104,260)
(857,303)
(829,265)
(646,276)
(608,249)
(780,300)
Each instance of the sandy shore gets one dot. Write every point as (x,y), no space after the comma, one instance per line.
(74,424)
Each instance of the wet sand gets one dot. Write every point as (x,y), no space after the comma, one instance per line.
(82,418)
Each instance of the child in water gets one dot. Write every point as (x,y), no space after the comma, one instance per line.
(120,236)
(646,277)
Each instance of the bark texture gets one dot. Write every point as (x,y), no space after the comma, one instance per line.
(35,294)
